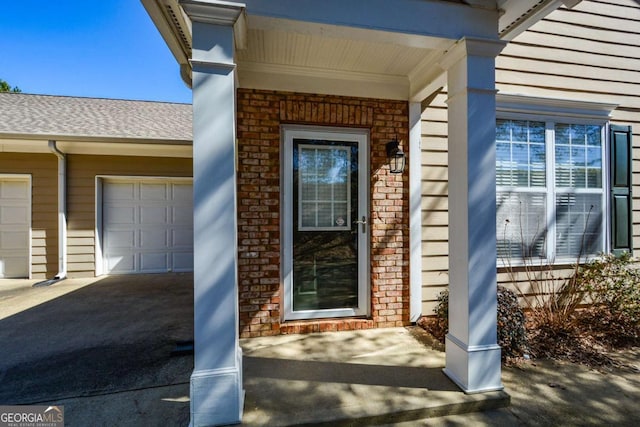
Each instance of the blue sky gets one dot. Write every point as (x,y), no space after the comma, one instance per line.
(94,48)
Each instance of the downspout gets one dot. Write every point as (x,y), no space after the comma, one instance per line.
(62,210)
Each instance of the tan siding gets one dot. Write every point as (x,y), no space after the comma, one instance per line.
(82,173)
(435,246)
(44,207)
(590,53)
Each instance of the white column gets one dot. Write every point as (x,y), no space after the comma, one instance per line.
(216,383)
(415,207)
(472,352)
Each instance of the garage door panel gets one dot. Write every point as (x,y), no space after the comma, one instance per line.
(154,238)
(159,220)
(182,238)
(154,262)
(182,193)
(120,263)
(120,214)
(153,215)
(14,240)
(12,267)
(120,191)
(118,239)
(14,190)
(14,215)
(153,192)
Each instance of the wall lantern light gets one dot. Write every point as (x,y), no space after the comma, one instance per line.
(395,157)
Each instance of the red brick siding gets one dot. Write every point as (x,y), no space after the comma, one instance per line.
(259,116)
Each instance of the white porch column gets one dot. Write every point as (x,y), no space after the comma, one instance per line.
(415,210)
(216,383)
(472,353)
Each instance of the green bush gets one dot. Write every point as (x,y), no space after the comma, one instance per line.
(613,286)
(512,335)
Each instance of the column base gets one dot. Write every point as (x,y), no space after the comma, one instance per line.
(217,397)
(475,369)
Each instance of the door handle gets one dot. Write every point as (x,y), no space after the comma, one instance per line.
(363,222)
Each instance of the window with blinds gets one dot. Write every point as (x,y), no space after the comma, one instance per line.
(324,192)
(550,195)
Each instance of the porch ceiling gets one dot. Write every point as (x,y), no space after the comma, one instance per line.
(361,63)
(388,50)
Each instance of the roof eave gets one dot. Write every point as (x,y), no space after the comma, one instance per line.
(175,29)
(517,15)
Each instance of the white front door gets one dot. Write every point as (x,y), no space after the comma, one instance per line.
(15,226)
(147,225)
(325,227)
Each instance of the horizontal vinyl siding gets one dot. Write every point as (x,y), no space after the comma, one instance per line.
(82,172)
(590,53)
(434,205)
(43,169)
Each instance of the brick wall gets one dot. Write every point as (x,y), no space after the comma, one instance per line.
(260,114)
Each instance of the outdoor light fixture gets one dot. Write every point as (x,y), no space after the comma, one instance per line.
(395,157)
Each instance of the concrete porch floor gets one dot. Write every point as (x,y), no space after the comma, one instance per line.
(368,377)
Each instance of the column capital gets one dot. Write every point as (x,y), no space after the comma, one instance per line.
(468,46)
(214,11)
(226,13)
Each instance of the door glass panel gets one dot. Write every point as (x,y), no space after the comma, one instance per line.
(325,232)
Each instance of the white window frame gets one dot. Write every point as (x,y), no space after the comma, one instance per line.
(552,112)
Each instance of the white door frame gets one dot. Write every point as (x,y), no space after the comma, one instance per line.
(360,136)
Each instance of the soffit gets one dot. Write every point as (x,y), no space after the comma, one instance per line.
(387,50)
(329,54)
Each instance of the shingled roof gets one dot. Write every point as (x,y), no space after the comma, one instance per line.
(93,118)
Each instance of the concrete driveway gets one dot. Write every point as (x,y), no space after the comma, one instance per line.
(92,337)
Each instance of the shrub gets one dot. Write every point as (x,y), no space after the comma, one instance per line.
(512,335)
(613,286)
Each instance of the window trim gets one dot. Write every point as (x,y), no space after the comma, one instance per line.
(551,112)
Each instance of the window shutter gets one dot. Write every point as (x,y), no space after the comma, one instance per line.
(620,146)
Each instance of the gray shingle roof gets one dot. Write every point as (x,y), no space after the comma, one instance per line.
(60,116)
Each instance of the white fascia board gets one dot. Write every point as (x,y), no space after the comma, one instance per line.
(15,145)
(40,144)
(435,19)
(128,149)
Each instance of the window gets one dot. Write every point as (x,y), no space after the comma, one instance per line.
(324,187)
(550,193)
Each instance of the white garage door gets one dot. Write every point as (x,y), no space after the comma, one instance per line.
(15,222)
(147,226)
